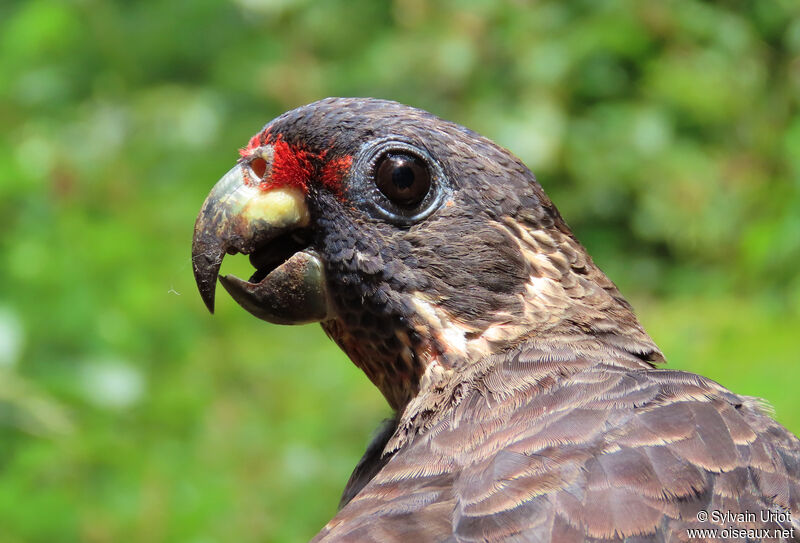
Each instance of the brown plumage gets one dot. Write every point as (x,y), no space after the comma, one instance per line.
(528,402)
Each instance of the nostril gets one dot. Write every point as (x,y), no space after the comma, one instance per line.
(259,167)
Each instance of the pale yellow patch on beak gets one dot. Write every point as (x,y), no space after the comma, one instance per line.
(279,207)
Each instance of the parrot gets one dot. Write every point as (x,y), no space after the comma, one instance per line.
(530,405)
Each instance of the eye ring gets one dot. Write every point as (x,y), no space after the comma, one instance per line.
(403,178)
(365,193)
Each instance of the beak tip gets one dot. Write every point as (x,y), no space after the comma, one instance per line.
(207,294)
(207,287)
(207,260)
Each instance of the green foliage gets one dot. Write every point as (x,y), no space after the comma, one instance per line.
(667,132)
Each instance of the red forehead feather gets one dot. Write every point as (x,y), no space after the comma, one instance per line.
(255,142)
(296,167)
(290,167)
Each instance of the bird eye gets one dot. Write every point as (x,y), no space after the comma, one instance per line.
(403,178)
(398,181)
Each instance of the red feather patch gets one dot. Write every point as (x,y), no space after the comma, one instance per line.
(295,167)
(290,167)
(255,142)
(334,171)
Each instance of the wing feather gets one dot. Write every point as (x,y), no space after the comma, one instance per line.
(544,447)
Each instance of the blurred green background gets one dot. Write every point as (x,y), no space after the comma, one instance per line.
(668,134)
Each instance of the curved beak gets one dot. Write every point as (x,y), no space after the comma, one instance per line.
(271,226)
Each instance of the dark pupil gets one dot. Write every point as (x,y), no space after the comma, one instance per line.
(404,179)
